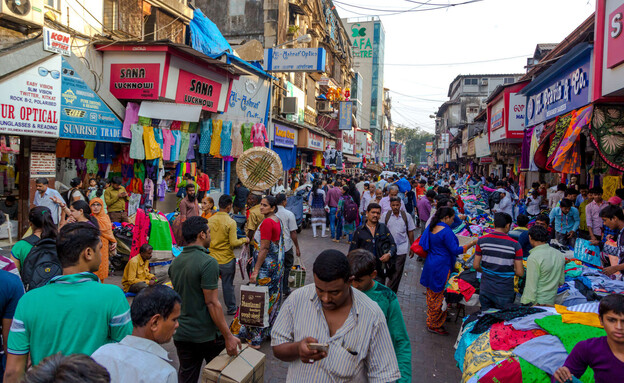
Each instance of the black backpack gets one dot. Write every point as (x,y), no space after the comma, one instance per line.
(41,264)
(494,199)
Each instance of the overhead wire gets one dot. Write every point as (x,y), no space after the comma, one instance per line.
(461,63)
(398,12)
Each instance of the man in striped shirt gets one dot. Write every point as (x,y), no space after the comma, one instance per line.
(350,329)
(499,259)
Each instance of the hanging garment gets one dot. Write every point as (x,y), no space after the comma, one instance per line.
(215,143)
(92,168)
(206,134)
(184,145)
(193,141)
(162,190)
(246,136)
(546,138)
(105,152)
(152,149)
(526,149)
(144,121)
(140,232)
(89,150)
(175,148)
(259,135)
(607,134)
(165,124)
(193,127)
(139,171)
(137,150)
(175,125)
(160,233)
(76,149)
(561,126)
(132,117)
(609,185)
(159,137)
(567,158)
(184,126)
(168,141)
(125,156)
(226,139)
(535,137)
(63,149)
(237,141)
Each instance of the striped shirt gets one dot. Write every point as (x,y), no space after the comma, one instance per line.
(498,253)
(364,331)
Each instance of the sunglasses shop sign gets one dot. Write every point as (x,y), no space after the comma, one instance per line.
(30,101)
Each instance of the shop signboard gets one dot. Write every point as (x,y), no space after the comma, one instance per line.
(284,136)
(369,146)
(482,146)
(486,160)
(295,60)
(497,120)
(348,141)
(135,81)
(345,115)
(30,101)
(609,49)
(516,115)
(471,148)
(56,42)
(429,147)
(315,141)
(562,90)
(615,37)
(248,100)
(84,116)
(197,90)
(42,165)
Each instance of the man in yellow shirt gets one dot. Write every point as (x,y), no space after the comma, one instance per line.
(254,219)
(116,198)
(136,275)
(223,239)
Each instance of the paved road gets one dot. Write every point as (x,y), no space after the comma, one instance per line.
(432,355)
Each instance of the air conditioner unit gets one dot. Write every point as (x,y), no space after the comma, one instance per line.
(484,81)
(324,106)
(28,12)
(290,105)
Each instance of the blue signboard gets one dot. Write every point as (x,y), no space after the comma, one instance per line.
(84,116)
(562,88)
(346,114)
(295,60)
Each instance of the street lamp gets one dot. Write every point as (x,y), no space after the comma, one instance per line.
(301,39)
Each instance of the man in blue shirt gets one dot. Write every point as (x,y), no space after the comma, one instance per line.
(567,221)
(48,197)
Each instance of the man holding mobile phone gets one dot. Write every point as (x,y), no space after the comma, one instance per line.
(319,333)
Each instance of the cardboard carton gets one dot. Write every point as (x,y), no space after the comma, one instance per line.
(246,367)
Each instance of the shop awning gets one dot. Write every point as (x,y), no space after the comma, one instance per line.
(352,159)
(170,111)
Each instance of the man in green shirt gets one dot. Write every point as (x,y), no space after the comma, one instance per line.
(545,269)
(363,269)
(195,276)
(74,312)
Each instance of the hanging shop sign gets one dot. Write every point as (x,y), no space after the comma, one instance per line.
(135,81)
(197,90)
(429,147)
(482,146)
(84,116)
(56,42)
(345,115)
(30,101)
(295,60)
(615,38)
(486,160)
(560,89)
(315,141)
(497,130)
(609,49)
(42,165)
(497,120)
(348,141)
(516,115)
(284,136)
(248,100)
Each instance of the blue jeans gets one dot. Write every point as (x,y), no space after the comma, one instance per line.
(332,221)
(339,226)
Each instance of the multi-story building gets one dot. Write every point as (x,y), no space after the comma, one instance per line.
(368,44)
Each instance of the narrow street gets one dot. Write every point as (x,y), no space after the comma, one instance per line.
(432,355)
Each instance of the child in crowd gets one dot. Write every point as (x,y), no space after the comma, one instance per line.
(604,355)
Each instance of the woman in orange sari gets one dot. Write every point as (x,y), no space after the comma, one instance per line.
(109,243)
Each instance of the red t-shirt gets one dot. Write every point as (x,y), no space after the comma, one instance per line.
(203,182)
(270,230)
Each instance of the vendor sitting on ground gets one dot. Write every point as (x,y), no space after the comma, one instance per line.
(545,270)
(605,354)
(136,275)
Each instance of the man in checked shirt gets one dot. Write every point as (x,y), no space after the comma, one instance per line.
(350,328)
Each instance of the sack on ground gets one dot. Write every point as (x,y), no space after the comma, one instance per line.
(254,306)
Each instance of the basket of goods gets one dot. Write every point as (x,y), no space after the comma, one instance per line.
(259,168)
(374,168)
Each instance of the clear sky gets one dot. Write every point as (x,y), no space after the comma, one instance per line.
(483,30)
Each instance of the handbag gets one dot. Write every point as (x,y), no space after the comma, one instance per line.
(254,306)
(585,252)
(417,249)
(297,274)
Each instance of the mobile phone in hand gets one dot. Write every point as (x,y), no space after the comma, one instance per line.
(318,346)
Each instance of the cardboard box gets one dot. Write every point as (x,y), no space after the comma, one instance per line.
(246,367)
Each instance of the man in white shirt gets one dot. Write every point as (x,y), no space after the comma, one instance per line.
(139,357)
(360,185)
(381,184)
(48,197)
(289,223)
(367,197)
(393,191)
(401,226)
(279,188)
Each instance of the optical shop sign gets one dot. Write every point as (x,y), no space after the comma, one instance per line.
(84,115)
(248,100)
(30,101)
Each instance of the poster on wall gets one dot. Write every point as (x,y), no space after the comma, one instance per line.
(348,141)
(30,100)
(248,100)
(135,81)
(84,116)
(42,165)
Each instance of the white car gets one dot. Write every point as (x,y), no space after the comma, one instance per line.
(387,173)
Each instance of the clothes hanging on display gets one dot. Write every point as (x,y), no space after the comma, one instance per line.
(237,141)
(205,137)
(137,150)
(246,136)
(132,117)
(105,152)
(226,139)
(89,152)
(175,148)
(535,140)
(193,141)
(152,149)
(259,134)
(168,142)
(215,143)
(184,145)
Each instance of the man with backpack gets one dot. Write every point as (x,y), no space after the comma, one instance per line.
(349,210)
(401,226)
